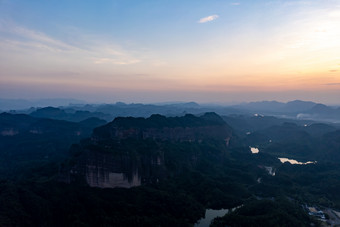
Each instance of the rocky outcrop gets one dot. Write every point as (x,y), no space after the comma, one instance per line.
(130,151)
(157,127)
(107,170)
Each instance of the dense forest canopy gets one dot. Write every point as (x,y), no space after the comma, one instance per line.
(61,173)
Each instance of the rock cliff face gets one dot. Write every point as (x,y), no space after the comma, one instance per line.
(172,134)
(187,128)
(130,151)
(106,170)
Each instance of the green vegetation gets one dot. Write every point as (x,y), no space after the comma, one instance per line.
(180,179)
(279,212)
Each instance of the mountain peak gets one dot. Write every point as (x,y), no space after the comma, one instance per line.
(188,127)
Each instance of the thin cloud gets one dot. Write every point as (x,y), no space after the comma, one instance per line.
(297,3)
(115,61)
(332,84)
(28,41)
(30,38)
(335,14)
(208,18)
(333,70)
(235,3)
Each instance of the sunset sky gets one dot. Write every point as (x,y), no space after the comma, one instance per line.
(169,50)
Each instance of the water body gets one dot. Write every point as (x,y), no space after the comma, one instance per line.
(210,214)
(294,162)
(254,150)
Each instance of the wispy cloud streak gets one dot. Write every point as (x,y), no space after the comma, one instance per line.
(208,18)
(28,41)
(332,84)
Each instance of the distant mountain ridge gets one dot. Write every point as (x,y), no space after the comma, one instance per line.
(296,109)
(295,106)
(18,104)
(70,115)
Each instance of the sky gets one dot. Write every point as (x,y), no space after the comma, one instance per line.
(221,51)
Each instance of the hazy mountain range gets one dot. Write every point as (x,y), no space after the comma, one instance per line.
(297,109)
(18,104)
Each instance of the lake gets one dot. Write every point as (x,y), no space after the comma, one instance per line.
(294,162)
(210,214)
(254,150)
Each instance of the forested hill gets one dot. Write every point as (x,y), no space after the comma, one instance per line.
(188,127)
(165,171)
(131,151)
(27,142)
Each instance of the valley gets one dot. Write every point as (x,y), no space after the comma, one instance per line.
(123,172)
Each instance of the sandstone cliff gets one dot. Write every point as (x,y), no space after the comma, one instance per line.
(132,151)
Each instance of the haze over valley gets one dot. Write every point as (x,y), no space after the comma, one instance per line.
(169,113)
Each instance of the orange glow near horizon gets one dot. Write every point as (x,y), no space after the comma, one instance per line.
(289,47)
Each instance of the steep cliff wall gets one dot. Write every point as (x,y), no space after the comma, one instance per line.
(107,170)
(130,151)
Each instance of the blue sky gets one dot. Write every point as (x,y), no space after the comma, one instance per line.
(151,51)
